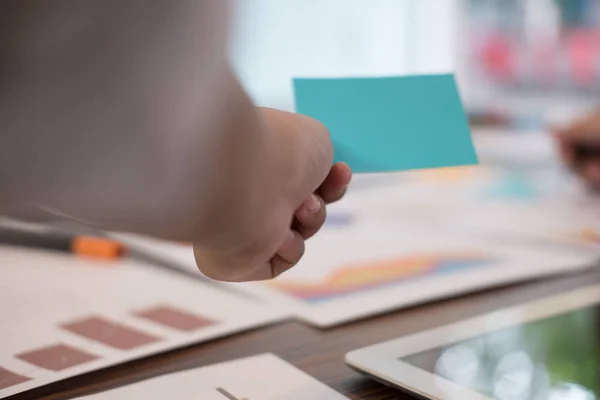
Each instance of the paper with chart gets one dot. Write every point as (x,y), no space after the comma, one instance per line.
(373,263)
(522,190)
(63,316)
(549,207)
(559,222)
(544,207)
(262,377)
(375,266)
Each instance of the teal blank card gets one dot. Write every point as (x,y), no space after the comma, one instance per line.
(390,123)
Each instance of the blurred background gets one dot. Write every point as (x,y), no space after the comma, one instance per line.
(524,60)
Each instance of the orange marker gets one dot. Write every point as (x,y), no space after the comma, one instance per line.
(87,246)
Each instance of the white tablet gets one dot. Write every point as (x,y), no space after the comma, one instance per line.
(545,350)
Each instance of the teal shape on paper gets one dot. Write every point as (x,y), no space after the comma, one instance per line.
(386,124)
(512,187)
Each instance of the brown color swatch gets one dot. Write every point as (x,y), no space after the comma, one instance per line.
(8,378)
(57,357)
(109,333)
(174,318)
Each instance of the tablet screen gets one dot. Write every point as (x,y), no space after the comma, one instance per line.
(557,358)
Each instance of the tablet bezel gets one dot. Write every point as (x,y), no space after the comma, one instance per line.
(382,361)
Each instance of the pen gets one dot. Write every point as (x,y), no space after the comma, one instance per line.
(88,246)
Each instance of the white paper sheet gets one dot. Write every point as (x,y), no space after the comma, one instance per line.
(263,377)
(547,206)
(371,266)
(571,220)
(63,315)
(376,266)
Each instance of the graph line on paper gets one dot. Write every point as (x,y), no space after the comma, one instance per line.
(229,395)
(351,279)
(448,175)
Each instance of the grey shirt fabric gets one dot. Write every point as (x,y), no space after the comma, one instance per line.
(113,112)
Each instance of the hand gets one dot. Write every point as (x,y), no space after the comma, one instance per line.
(579,147)
(310,217)
(261,229)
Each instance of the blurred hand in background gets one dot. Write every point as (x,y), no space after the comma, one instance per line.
(579,146)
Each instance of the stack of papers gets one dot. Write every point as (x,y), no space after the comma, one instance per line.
(64,316)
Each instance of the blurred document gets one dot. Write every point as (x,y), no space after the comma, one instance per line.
(64,315)
(385,124)
(263,377)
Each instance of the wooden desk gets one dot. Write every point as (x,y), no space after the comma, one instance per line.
(318,352)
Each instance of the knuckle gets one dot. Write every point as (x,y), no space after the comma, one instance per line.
(299,254)
(336,195)
(221,274)
(220,271)
(308,230)
(280,270)
(294,256)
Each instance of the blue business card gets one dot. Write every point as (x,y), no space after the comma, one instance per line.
(386,124)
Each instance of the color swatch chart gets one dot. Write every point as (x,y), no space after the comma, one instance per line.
(262,377)
(64,316)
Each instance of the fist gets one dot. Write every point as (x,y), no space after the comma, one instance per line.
(309,218)
(280,202)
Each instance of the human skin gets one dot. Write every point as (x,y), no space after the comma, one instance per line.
(126,115)
(579,146)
